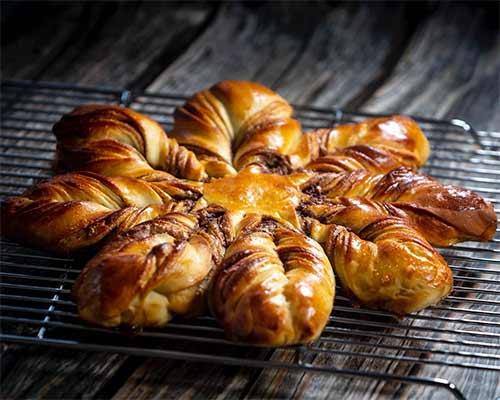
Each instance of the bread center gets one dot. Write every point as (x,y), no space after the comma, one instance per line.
(267,194)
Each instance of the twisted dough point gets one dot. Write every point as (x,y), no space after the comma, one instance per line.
(235,124)
(73,211)
(116,141)
(381,260)
(398,136)
(275,286)
(352,158)
(158,269)
(445,214)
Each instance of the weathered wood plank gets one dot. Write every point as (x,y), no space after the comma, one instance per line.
(269,47)
(161,379)
(58,373)
(349,52)
(125,44)
(7,357)
(449,69)
(151,37)
(27,53)
(306,52)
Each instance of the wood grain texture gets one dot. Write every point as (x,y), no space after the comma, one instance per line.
(42,373)
(306,53)
(242,43)
(123,45)
(449,69)
(349,52)
(184,380)
(26,51)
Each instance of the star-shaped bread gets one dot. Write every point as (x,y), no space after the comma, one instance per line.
(239,213)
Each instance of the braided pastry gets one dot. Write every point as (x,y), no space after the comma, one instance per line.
(445,214)
(236,235)
(353,158)
(116,141)
(275,285)
(156,270)
(73,211)
(398,137)
(382,260)
(235,124)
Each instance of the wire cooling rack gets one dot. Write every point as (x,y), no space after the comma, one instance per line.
(463,332)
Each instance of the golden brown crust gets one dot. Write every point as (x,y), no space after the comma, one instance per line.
(382,260)
(398,135)
(235,124)
(253,192)
(73,211)
(445,214)
(156,270)
(389,266)
(112,140)
(354,158)
(275,285)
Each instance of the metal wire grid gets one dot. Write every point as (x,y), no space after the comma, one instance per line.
(461,332)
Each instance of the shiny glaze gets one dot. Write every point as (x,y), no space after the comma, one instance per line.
(152,272)
(234,124)
(267,194)
(398,136)
(381,259)
(275,285)
(445,214)
(73,211)
(242,238)
(112,140)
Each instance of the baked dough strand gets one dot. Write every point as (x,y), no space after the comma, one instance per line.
(275,285)
(235,124)
(398,136)
(112,140)
(445,214)
(382,260)
(156,270)
(73,211)
(354,158)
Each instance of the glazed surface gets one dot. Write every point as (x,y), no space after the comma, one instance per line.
(239,212)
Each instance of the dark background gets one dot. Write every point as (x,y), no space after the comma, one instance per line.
(379,56)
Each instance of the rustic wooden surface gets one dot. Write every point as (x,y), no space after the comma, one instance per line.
(432,60)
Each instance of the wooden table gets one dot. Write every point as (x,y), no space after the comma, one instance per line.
(431,60)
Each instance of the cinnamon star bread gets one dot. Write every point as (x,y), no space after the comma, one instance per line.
(237,212)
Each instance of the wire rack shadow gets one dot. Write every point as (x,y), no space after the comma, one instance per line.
(461,333)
